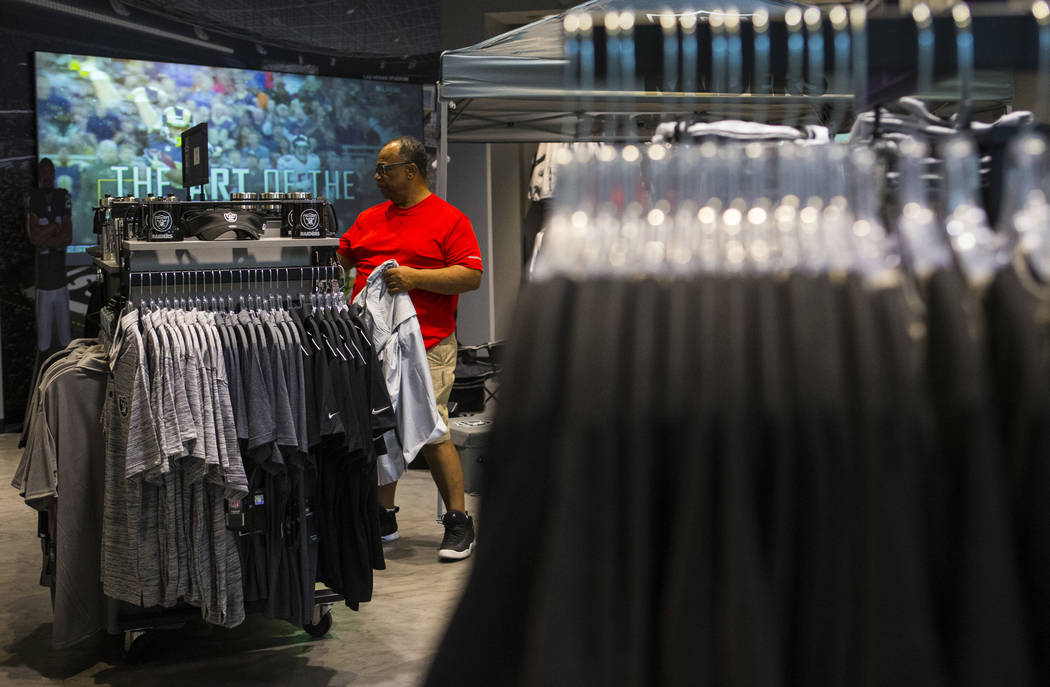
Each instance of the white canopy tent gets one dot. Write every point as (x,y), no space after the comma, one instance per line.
(513,87)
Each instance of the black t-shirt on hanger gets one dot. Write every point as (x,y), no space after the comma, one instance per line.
(686,636)
(980,609)
(503,582)
(1018,317)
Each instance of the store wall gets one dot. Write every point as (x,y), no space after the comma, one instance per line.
(508,210)
(18,41)
(17,175)
(468,190)
(24,29)
(487,182)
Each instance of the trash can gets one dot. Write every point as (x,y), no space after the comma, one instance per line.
(470,434)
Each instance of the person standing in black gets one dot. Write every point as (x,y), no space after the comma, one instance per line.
(50,229)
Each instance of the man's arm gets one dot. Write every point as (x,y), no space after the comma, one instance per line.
(40,235)
(50,234)
(63,232)
(450,281)
(346,262)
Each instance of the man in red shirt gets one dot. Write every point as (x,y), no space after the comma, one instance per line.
(438,258)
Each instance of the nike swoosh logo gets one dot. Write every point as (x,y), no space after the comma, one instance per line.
(383,409)
(331,415)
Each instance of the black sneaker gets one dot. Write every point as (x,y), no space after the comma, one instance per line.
(458,541)
(388,524)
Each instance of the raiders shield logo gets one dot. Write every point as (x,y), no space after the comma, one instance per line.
(122,404)
(162,221)
(310,219)
(230,217)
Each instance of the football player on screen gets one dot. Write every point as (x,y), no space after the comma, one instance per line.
(300,164)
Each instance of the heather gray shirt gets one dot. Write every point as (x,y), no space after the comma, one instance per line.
(229,584)
(194,524)
(71,403)
(36,477)
(182,586)
(208,552)
(170,441)
(161,392)
(54,357)
(35,480)
(128,569)
(191,379)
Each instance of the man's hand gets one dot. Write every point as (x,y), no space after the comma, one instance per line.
(401,279)
(449,281)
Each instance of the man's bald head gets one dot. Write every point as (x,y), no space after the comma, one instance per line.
(401,171)
(410,149)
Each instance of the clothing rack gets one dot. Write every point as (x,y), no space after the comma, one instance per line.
(136,626)
(143,277)
(820,469)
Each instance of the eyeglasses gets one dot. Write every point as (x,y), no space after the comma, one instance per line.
(382,170)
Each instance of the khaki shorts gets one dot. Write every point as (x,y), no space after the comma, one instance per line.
(442,361)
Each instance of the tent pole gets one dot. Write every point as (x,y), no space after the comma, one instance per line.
(442,161)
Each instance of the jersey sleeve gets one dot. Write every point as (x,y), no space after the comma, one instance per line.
(461,246)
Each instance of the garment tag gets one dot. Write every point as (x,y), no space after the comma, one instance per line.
(235,519)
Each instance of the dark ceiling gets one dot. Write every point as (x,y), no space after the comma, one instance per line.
(383,28)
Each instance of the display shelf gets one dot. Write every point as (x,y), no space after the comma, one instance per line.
(196,244)
(193,254)
(107,265)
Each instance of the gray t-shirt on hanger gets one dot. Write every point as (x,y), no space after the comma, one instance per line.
(163,402)
(79,394)
(296,380)
(132,449)
(279,374)
(258,394)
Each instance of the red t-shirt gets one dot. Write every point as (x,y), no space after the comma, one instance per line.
(428,235)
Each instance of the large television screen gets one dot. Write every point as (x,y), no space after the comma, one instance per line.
(112,126)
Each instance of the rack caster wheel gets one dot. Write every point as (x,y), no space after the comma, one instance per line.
(135,645)
(322,621)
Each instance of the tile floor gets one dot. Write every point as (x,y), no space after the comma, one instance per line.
(389,642)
